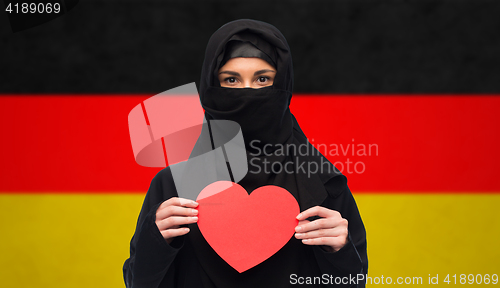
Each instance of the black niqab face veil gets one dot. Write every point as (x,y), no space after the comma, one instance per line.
(263,113)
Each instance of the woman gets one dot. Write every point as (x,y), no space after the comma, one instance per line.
(247,77)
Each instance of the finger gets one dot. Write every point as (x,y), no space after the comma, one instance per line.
(302,222)
(176,201)
(335,232)
(330,222)
(175,221)
(317,234)
(318,211)
(336,243)
(321,223)
(170,233)
(328,241)
(175,211)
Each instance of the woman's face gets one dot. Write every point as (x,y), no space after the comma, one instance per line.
(242,72)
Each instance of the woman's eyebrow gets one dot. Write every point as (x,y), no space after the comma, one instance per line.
(230,73)
(262,71)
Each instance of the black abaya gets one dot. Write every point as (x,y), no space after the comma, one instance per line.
(263,115)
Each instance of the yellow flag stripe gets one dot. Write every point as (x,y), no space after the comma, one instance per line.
(81,240)
(411,235)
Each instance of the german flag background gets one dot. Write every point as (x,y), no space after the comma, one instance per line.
(403,96)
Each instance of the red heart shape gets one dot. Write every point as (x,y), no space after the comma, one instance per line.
(246,229)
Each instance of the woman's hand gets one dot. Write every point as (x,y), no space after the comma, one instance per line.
(329,231)
(175,212)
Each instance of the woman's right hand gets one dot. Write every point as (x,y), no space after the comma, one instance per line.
(175,212)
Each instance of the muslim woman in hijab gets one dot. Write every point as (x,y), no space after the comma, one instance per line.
(247,77)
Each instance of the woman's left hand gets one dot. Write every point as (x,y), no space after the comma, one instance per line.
(330,230)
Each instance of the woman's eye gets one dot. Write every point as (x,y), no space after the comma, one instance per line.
(230,80)
(263,79)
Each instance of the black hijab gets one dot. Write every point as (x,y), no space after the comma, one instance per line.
(263,115)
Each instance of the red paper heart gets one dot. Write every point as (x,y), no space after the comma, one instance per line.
(246,229)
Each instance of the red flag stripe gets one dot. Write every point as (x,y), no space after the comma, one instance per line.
(412,143)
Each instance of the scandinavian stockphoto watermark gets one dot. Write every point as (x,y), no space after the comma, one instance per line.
(347,165)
